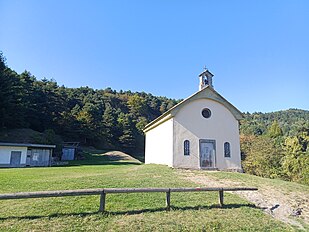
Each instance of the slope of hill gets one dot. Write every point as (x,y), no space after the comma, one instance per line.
(135,212)
(26,135)
(101,117)
(285,201)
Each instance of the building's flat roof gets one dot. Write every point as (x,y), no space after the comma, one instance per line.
(27,145)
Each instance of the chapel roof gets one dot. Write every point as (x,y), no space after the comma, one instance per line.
(205,93)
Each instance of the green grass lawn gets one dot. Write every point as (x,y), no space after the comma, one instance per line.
(125,212)
(250,180)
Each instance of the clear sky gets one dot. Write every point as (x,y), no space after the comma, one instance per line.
(257,50)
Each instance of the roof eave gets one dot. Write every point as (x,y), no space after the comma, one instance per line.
(164,117)
(27,145)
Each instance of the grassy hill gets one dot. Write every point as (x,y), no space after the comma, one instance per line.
(129,212)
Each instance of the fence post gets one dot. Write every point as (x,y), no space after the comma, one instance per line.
(168,200)
(102,201)
(221,198)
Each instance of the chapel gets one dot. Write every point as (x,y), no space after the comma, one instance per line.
(200,132)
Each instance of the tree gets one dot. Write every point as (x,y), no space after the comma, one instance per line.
(137,105)
(290,121)
(109,125)
(141,123)
(275,130)
(11,113)
(296,160)
(127,139)
(30,97)
(261,157)
(163,107)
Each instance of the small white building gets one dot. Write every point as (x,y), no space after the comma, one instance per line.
(201,132)
(22,154)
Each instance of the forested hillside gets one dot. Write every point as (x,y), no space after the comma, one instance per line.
(103,118)
(290,121)
(273,145)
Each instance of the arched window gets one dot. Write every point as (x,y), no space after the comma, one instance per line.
(186,147)
(227,149)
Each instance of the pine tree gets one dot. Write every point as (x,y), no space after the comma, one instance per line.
(127,139)
(109,125)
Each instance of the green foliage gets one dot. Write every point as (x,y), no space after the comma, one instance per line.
(141,123)
(275,144)
(276,158)
(290,121)
(10,97)
(104,118)
(275,131)
(137,104)
(262,157)
(109,122)
(296,161)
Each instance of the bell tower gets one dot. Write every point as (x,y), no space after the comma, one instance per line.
(205,79)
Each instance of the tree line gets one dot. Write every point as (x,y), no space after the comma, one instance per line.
(276,145)
(102,118)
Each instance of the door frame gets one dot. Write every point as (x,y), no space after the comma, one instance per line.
(215,155)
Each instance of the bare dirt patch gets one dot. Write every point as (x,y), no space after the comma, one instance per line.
(286,207)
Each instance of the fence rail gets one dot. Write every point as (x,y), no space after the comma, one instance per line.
(103,191)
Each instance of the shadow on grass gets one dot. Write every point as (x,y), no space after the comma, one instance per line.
(198,207)
(101,159)
(98,163)
(132,212)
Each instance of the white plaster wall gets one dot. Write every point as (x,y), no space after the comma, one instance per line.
(5,154)
(180,135)
(159,144)
(221,127)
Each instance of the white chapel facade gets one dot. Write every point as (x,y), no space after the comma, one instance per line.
(201,132)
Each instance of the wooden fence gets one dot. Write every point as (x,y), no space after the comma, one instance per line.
(103,191)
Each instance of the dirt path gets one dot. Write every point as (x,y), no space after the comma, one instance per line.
(282,206)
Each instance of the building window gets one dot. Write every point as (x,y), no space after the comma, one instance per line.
(227,149)
(206,113)
(186,147)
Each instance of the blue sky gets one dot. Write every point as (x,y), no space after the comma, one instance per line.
(257,50)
